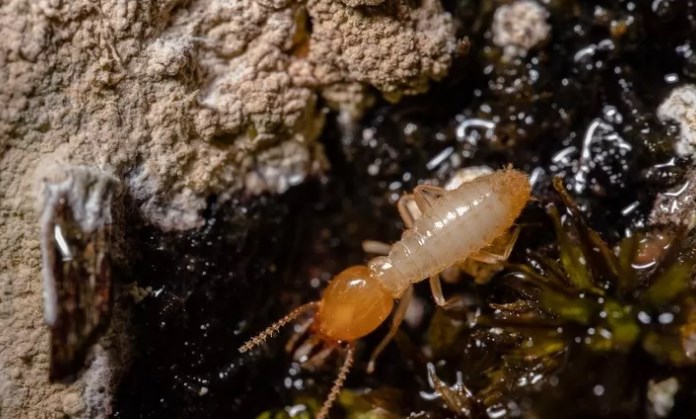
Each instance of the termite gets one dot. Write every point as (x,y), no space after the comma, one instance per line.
(443,229)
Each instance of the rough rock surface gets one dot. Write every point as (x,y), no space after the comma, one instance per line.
(680,107)
(179,100)
(519,27)
(677,206)
(394,47)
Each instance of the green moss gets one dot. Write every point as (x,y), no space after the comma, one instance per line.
(614,302)
(582,314)
(588,303)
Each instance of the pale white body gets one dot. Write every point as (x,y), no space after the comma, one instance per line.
(459,223)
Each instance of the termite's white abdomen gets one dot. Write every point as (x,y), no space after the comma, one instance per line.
(461,222)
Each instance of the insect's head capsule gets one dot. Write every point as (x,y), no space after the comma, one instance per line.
(353,305)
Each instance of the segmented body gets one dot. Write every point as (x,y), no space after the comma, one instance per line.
(459,223)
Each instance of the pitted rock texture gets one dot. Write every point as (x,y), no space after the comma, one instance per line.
(679,107)
(520,27)
(676,207)
(180,100)
(395,47)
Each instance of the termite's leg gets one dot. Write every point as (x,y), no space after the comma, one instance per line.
(399,315)
(408,210)
(297,334)
(410,207)
(303,352)
(376,247)
(315,361)
(499,250)
(436,290)
(439,296)
(426,195)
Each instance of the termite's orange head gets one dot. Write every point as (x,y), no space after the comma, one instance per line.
(353,305)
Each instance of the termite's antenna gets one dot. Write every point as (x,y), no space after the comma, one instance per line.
(338,384)
(275,327)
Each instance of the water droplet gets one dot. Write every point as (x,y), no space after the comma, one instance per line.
(598,390)
(665,318)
